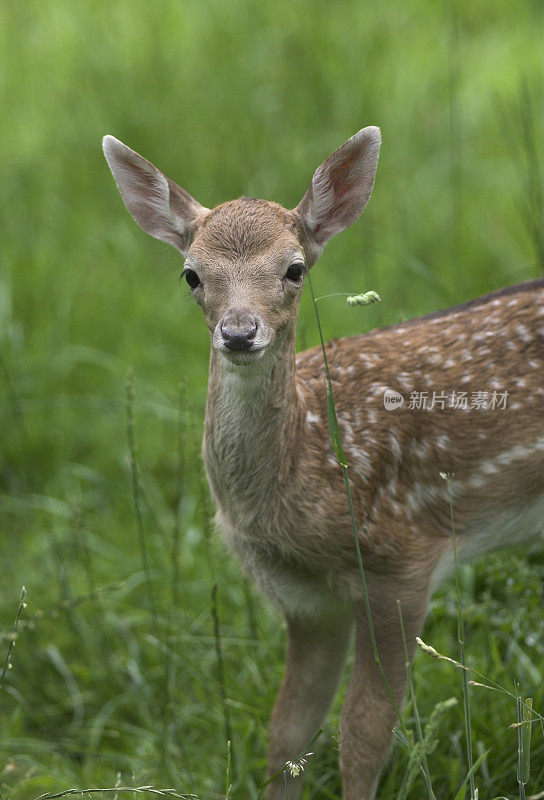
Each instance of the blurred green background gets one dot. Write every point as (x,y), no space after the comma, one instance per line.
(115,666)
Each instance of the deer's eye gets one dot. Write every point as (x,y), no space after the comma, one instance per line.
(192,278)
(294,273)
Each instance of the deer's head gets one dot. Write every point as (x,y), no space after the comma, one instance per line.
(245,260)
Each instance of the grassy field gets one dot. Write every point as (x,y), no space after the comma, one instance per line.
(115,677)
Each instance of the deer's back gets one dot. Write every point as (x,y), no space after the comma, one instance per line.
(471,383)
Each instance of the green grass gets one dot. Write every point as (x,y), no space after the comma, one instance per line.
(115,665)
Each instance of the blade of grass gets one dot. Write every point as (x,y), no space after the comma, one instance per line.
(7,662)
(461,640)
(228,784)
(496,687)
(524,743)
(470,774)
(526,738)
(221,675)
(337,444)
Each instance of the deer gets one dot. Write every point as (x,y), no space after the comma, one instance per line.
(274,476)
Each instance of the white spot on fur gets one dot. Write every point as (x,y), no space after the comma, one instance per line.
(395,446)
(489,468)
(359,461)
(420,450)
(504,459)
(423,495)
(377,389)
(523,333)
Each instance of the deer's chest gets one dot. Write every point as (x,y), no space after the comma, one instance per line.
(273,558)
(258,519)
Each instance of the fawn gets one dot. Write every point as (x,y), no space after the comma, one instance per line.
(277,485)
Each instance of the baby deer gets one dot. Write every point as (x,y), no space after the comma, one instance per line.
(458,391)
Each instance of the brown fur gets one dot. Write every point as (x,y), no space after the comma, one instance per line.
(278,488)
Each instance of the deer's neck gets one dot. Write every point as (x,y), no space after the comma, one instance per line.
(253,423)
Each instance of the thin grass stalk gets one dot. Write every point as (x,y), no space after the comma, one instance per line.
(202,488)
(221,675)
(53,611)
(461,640)
(424,762)
(524,724)
(116,789)
(496,687)
(204,504)
(136,496)
(228,784)
(521,783)
(180,472)
(335,436)
(7,662)
(526,732)
(175,580)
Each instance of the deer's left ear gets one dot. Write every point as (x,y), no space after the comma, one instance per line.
(340,189)
(160,207)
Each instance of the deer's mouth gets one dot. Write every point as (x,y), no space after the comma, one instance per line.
(242,357)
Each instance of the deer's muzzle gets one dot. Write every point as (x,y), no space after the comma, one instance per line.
(240,330)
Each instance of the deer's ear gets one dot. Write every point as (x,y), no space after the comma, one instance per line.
(340,189)
(159,206)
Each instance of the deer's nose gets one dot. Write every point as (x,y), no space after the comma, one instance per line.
(238,330)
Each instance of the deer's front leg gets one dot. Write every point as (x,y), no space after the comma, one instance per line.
(368,715)
(316,650)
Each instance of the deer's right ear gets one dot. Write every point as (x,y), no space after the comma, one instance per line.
(339,191)
(159,206)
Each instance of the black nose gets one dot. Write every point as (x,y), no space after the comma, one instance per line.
(238,336)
